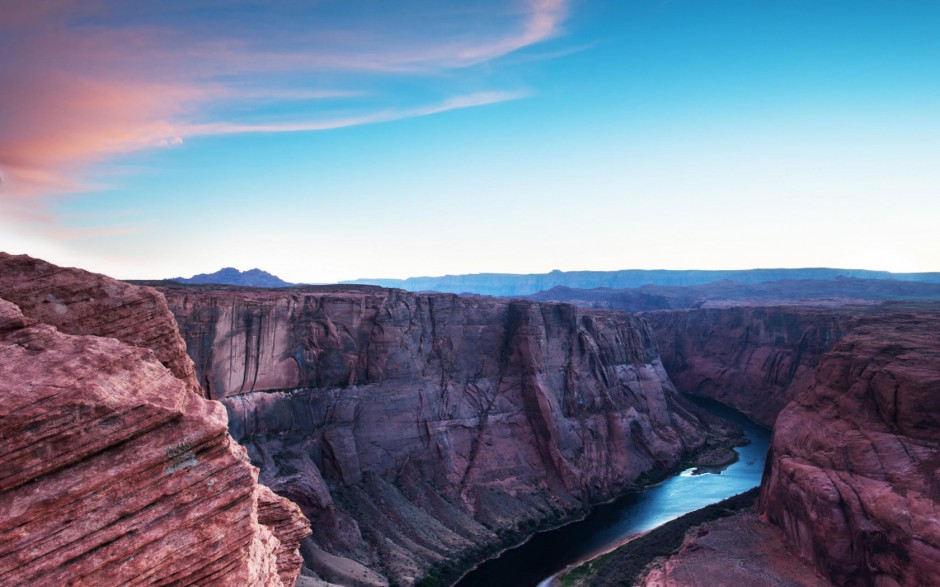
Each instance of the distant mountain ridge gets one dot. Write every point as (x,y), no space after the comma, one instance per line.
(723,293)
(510,284)
(232,276)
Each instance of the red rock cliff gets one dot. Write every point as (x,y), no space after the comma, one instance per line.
(111,470)
(416,429)
(853,476)
(752,358)
(80,302)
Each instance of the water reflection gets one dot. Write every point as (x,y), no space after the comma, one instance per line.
(612,524)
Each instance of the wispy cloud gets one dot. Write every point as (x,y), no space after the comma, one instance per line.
(86,82)
(456,103)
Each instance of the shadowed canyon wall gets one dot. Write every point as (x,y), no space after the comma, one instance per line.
(752,358)
(112,471)
(418,429)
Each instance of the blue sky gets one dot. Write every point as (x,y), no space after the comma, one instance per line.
(328,141)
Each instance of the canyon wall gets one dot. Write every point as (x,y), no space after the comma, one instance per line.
(415,430)
(853,475)
(755,359)
(112,470)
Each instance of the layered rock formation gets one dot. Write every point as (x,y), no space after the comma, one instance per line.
(420,429)
(80,302)
(112,471)
(755,359)
(853,476)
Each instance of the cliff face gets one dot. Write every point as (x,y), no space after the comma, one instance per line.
(417,429)
(755,359)
(112,471)
(853,476)
(80,302)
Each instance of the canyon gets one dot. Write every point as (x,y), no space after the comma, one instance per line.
(850,488)
(421,432)
(187,433)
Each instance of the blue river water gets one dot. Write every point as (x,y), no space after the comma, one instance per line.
(609,525)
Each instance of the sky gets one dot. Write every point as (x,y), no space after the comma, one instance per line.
(325,141)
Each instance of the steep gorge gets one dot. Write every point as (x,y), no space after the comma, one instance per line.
(422,432)
(419,430)
(851,484)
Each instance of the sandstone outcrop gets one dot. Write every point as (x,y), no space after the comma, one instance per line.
(755,359)
(115,470)
(79,302)
(112,472)
(420,430)
(853,475)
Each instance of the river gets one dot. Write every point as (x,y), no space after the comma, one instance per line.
(609,525)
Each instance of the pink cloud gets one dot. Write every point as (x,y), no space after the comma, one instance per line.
(86,82)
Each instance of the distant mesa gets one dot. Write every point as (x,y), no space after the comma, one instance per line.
(508,284)
(232,276)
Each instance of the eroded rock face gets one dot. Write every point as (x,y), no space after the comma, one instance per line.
(113,472)
(755,359)
(419,429)
(113,467)
(853,476)
(79,302)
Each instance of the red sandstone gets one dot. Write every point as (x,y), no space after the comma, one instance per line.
(854,468)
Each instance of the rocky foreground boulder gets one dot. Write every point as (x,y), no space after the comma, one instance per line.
(853,476)
(112,470)
(81,302)
(422,432)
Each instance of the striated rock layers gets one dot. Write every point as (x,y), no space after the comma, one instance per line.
(853,475)
(755,359)
(112,472)
(420,429)
(80,302)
